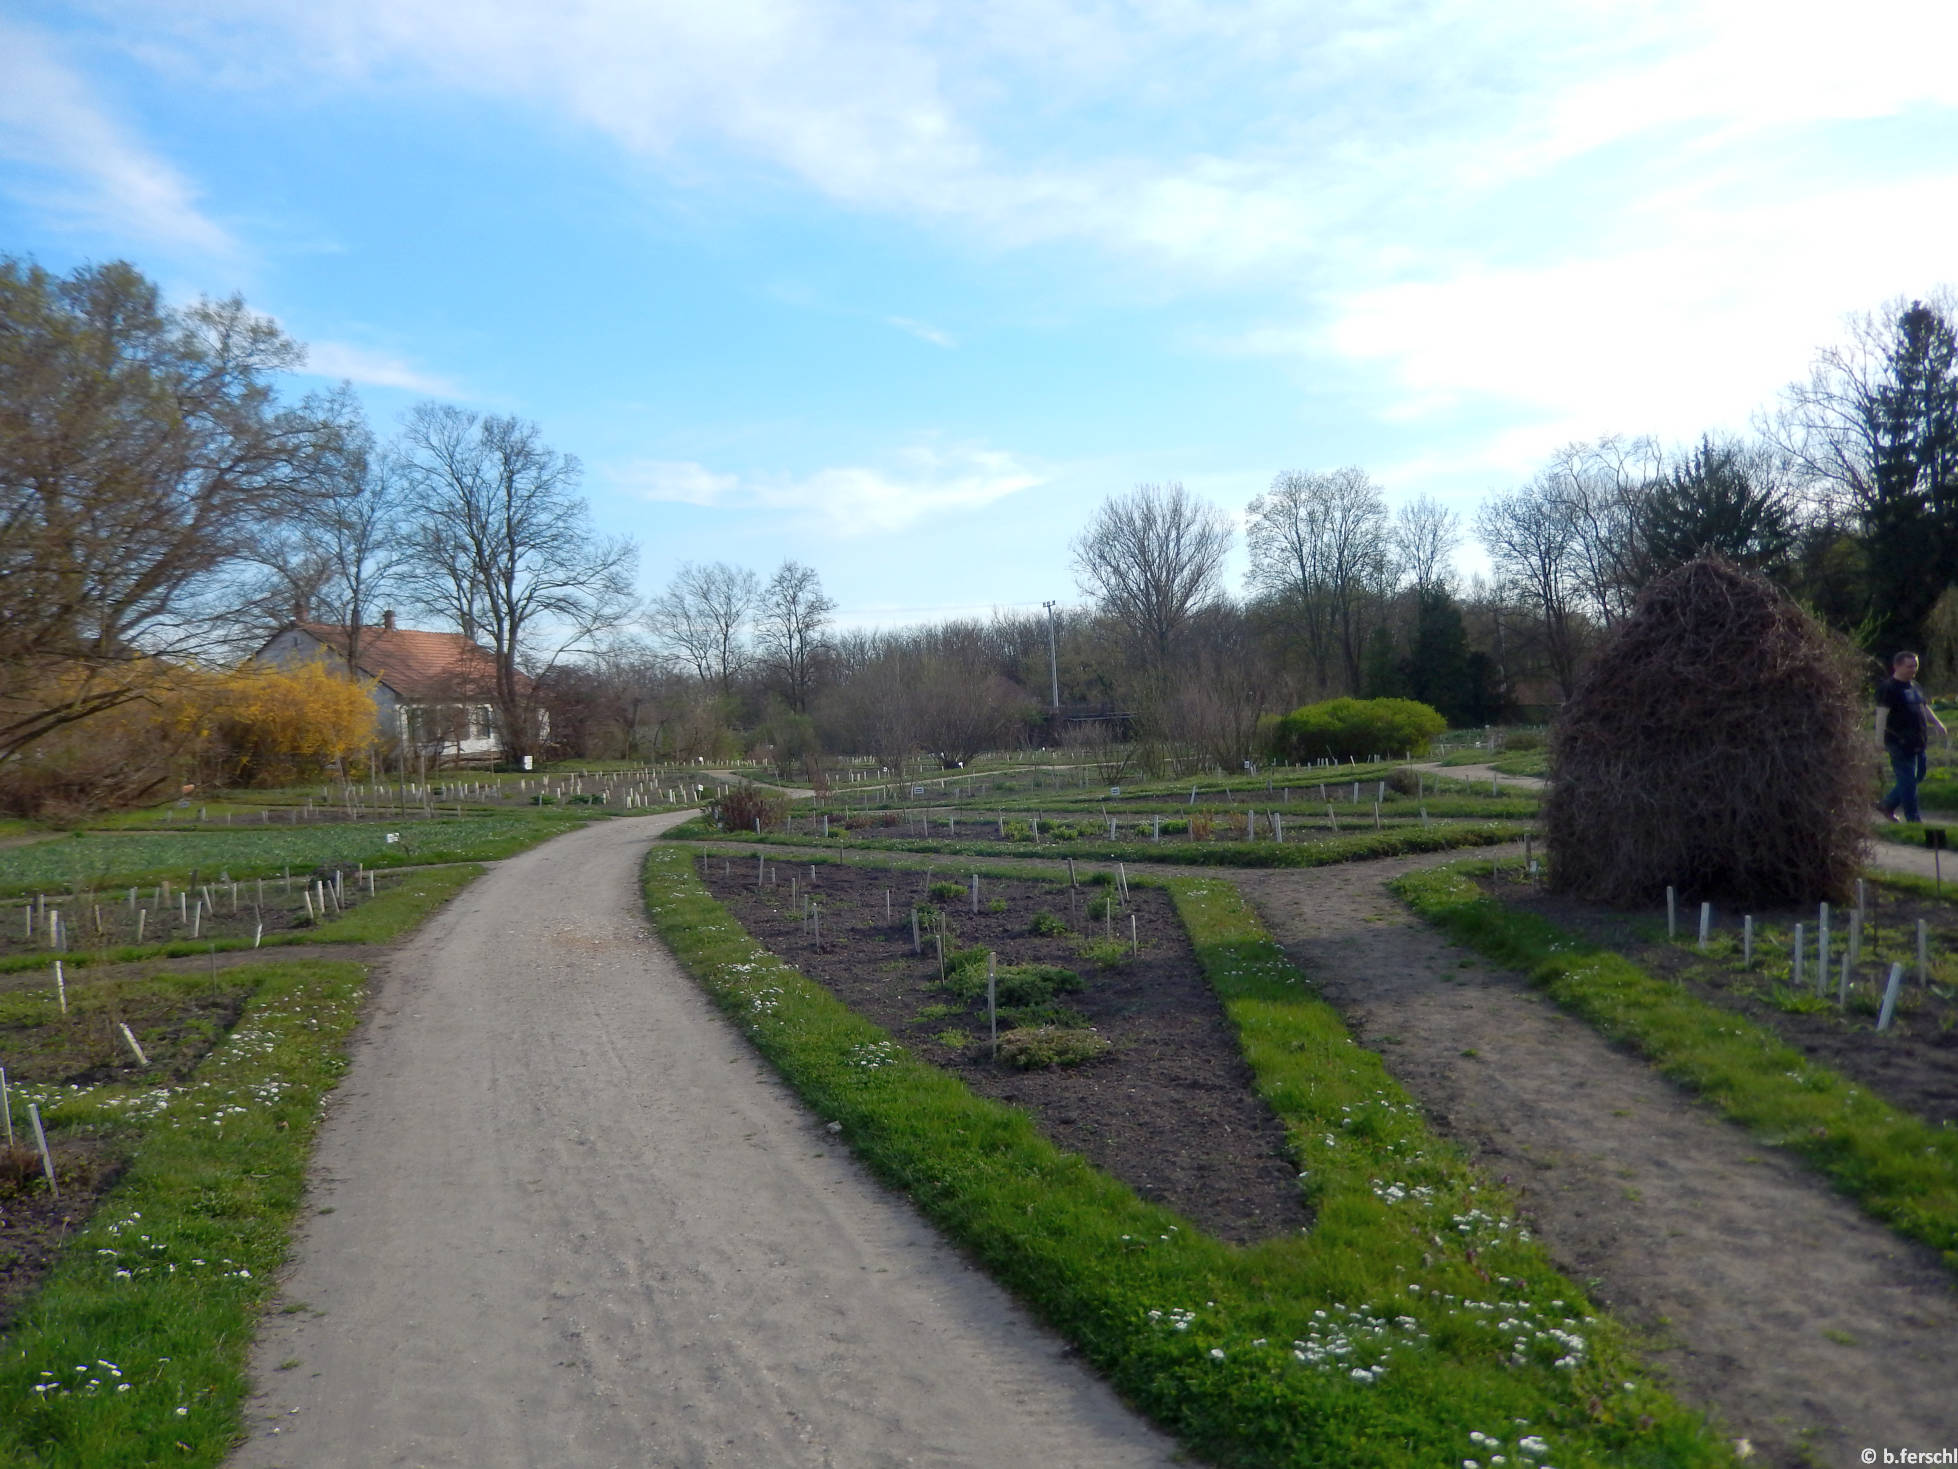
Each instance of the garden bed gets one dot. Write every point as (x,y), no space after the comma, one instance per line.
(1168,1107)
(1913,1065)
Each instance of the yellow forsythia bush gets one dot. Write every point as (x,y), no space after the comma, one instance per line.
(266,724)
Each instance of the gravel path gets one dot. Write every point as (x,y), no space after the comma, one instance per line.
(564,1216)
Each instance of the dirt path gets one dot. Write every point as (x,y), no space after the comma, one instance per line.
(1776,1304)
(564,1216)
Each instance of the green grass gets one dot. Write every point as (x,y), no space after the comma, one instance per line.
(1320,851)
(1233,1349)
(207,1183)
(124,858)
(1900,1169)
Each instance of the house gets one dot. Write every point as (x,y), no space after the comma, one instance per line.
(436,690)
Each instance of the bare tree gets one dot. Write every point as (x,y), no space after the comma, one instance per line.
(1600,489)
(1532,542)
(141,456)
(1151,558)
(1425,535)
(1319,550)
(701,616)
(505,549)
(789,630)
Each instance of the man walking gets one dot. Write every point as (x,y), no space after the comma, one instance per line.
(1904,722)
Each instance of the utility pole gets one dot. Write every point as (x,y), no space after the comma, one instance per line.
(1053,658)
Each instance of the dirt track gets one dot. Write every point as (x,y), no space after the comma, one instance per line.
(566,1217)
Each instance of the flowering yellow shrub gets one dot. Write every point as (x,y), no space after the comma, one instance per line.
(267,723)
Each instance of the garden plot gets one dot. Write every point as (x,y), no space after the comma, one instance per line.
(69,1052)
(1912,1063)
(1809,1327)
(1120,1050)
(225,912)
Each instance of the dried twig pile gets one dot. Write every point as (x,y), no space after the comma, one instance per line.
(1716,745)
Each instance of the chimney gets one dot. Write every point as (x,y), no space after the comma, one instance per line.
(387,620)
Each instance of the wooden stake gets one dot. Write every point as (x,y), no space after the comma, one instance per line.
(1747,942)
(1706,923)
(1795,971)
(1923,952)
(60,987)
(130,1036)
(1672,913)
(6,1106)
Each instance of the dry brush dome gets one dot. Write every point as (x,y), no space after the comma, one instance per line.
(1716,745)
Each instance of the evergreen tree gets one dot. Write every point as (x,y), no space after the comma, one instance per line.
(1438,671)
(1715,501)
(1911,518)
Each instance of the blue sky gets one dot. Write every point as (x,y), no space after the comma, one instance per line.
(902,290)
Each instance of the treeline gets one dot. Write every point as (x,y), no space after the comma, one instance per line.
(161,508)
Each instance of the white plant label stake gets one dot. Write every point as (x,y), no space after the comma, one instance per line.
(130,1036)
(992,1000)
(1135,943)
(1706,923)
(41,1142)
(1672,913)
(1890,996)
(6,1106)
(1822,952)
(60,987)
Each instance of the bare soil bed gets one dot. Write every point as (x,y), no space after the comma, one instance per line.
(1169,1109)
(1913,1065)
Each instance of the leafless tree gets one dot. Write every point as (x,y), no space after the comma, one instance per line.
(142,453)
(1151,558)
(1532,541)
(701,616)
(1600,487)
(1319,551)
(504,547)
(790,627)
(1425,535)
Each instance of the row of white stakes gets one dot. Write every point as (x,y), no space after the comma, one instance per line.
(1852,950)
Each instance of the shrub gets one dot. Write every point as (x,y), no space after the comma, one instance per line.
(1035,1047)
(739,807)
(1716,745)
(1355,728)
(948,892)
(1015,985)
(1046,925)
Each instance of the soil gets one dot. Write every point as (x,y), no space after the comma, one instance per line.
(1169,1109)
(1913,1065)
(34,1223)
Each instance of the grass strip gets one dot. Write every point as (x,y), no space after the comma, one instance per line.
(134,1350)
(1414,1324)
(123,859)
(1898,1168)
(1324,852)
(376,920)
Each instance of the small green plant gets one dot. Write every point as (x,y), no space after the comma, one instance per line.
(938,1011)
(1799,1002)
(946,892)
(998,905)
(1036,1047)
(954,1040)
(1018,831)
(1104,906)
(1046,925)
(1107,953)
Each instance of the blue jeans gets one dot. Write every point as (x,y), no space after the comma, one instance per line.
(1909,766)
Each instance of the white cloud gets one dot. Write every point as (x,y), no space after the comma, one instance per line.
(374,369)
(920,482)
(81,168)
(923,331)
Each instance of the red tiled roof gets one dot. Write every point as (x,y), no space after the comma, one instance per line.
(418,665)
